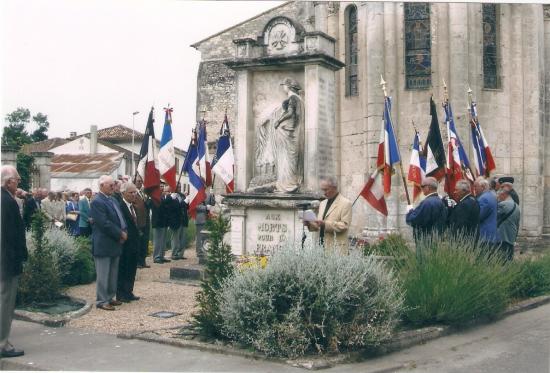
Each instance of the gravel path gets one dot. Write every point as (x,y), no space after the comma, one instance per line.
(157,293)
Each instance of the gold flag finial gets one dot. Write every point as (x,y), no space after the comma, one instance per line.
(383,84)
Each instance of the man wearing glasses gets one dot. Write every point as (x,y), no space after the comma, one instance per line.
(13,254)
(431,215)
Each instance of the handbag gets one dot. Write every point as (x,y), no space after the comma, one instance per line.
(72,216)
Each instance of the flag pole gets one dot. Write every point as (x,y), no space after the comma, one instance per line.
(383,84)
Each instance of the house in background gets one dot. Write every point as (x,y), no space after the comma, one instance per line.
(80,160)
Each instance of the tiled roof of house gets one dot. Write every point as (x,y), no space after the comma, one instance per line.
(43,146)
(84,165)
(118,133)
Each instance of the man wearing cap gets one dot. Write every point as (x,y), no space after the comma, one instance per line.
(507,180)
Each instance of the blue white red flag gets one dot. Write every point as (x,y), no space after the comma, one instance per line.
(167,156)
(417,167)
(458,165)
(391,150)
(482,152)
(223,164)
(147,167)
(197,189)
(373,191)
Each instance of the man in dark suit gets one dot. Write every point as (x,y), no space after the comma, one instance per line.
(430,216)
(127,265)
(142,204)
(32,204)
(13,254)
(109,232)
(159,222)
(464,214)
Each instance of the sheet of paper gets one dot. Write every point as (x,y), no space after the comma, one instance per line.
(307,215)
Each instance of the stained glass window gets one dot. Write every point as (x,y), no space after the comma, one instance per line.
(418,45)
(490,46)
(352,88)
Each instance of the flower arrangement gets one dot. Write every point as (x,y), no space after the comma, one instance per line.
(251,261)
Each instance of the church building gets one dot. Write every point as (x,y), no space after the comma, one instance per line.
(334,55)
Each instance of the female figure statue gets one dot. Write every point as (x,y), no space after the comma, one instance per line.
(288,139)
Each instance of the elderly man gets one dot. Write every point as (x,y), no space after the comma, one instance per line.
(84,208)
(487,213)
(463,217)
(127,265)
(333,218)
(109,232)
(508,215)
(13,254)
(430,215)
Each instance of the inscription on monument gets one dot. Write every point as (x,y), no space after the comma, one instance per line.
(268,231)
(325,137)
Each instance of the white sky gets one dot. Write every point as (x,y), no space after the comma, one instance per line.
(84,62)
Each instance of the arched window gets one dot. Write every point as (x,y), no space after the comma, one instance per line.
(351,51)
(418,46)
(490,46)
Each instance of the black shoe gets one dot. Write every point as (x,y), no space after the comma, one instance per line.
(12,353)
(176,258)
(166,260)
(133,297)
(158,261)
(124,299)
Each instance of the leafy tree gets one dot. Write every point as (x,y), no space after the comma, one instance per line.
(15,133)
(41,121)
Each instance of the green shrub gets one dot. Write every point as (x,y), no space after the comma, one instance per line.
(40,281)
(392,245)
(72,256)
(218,267)
(452,281)
(311,300)
(82,270)
(533,278)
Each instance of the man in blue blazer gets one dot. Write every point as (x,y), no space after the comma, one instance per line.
(430,216)
(109,232)
(487,200)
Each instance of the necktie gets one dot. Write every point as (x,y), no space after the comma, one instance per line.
(123,225)
(133,212)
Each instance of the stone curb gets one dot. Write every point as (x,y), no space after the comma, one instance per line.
(401,340)
(56,320)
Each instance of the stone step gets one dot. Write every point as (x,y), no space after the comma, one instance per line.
(188,272)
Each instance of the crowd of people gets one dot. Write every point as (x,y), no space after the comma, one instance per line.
(489,215)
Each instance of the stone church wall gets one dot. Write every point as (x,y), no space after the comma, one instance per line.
(514,117)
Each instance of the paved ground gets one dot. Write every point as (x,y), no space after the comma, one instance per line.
(519,343)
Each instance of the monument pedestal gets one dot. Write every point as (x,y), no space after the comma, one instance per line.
(263,223)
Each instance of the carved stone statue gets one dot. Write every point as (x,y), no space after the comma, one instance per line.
(279,145)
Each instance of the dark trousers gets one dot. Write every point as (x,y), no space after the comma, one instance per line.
(127,267)
(85,231)
(143,246)
(507,249)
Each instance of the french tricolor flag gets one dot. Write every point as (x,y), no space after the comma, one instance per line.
(197,190)
(373,191)
(391,151)
(224,162)
(417,167)
(482,152)
(457,161)
(167,157)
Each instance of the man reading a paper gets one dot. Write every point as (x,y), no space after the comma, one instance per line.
(333,218)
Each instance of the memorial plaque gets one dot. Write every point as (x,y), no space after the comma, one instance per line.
(325,139)
(268,230)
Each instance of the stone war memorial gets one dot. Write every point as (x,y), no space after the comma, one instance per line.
(300,84)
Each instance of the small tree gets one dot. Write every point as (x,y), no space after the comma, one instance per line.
(40,281)
(219,267)
(43,125)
